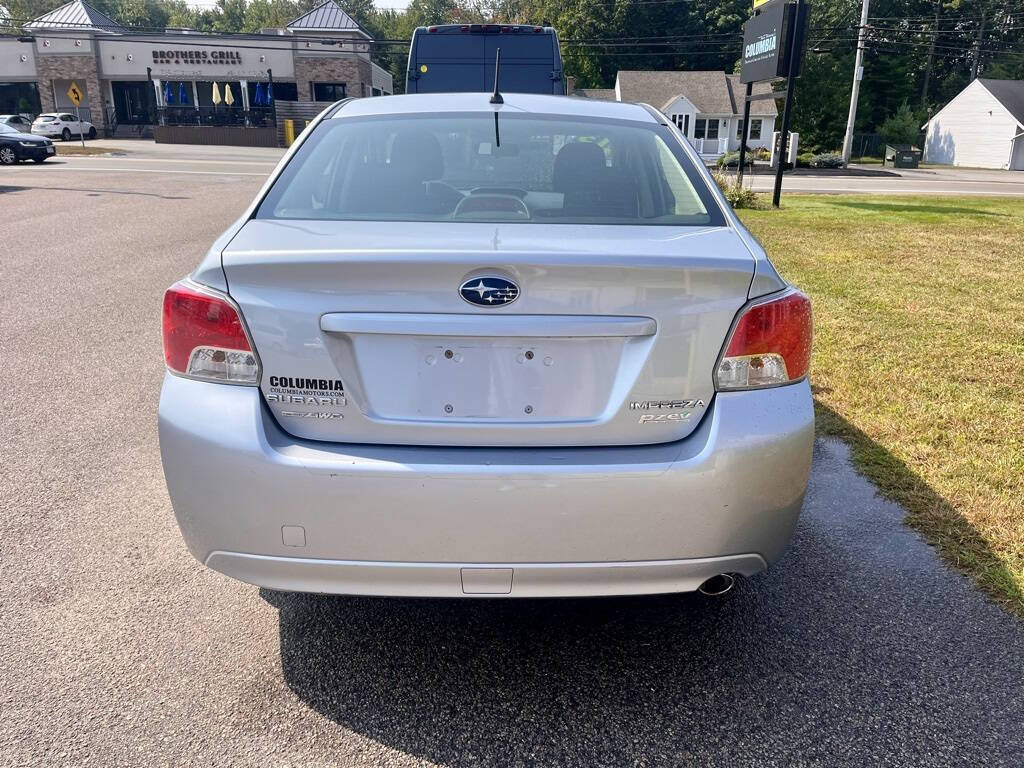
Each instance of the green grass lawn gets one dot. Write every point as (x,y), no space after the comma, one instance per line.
(919,359)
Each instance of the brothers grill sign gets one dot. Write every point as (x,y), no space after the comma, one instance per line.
(198,57)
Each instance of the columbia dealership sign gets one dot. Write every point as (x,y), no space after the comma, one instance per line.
(766,41)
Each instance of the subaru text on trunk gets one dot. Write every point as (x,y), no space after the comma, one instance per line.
(457,348)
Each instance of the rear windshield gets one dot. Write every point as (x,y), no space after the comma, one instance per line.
(475,167)
(47,117)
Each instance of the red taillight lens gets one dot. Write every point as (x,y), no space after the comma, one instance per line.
(204,337)
(770,345)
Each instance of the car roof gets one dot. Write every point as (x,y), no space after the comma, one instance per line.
(427,103)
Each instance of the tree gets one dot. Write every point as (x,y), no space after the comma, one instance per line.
(903,127)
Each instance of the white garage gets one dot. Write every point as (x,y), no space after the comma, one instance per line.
(982,127)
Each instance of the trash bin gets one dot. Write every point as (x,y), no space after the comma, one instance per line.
(902,156)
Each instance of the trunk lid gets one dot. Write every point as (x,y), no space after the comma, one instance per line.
(367,332)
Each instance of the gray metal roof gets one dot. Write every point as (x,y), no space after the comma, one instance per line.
(326,16)
(1009,93)
(75,15)
(712,93)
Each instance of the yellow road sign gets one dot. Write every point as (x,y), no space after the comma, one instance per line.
(759,3)
(75,93)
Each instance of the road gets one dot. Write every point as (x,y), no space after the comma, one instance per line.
(874,180)
(859,648)
(150,158)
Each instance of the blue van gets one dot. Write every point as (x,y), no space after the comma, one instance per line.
(450,58)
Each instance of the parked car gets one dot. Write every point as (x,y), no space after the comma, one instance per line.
(16,146)
(448,58)
(459,349)
(19,122)
(63,124)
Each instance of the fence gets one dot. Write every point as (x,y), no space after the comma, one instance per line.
(300,113)
(254,117)
(873,145)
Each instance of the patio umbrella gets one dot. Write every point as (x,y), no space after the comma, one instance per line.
(257,98)
(168,94)
(182,96)
(228,98)
(216,93)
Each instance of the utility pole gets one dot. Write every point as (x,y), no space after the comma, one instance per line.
(858,74)
(977,48)
(931,55)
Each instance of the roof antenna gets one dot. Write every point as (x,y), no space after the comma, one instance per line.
(496,97)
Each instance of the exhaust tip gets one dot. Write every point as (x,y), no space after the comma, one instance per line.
(717,585)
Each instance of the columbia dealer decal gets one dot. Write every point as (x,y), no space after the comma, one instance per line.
(322,393)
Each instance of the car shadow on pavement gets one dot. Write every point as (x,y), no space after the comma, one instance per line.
(930,511)
(858,647)
(91,192)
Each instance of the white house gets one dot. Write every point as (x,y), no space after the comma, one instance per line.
(982,127)
(706,106)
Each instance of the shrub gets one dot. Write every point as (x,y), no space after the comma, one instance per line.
(737,195)
(732,160)
(803,160)
(827,160)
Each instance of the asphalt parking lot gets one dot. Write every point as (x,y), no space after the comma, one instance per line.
(859,648)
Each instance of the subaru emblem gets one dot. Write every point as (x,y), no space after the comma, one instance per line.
(489,291)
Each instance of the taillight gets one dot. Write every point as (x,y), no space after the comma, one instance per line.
(770,344)
(204,337)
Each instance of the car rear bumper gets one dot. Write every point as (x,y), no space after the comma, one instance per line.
(266,508)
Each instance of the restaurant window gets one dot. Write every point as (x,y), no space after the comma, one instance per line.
(755,129)
(204,90)
(285,91)
(712,132)
(18,98)
(327,91)
(699,127)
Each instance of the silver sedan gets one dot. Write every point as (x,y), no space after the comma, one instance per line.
(457,348)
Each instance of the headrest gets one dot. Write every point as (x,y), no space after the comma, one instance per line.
(578,163)
(417,155)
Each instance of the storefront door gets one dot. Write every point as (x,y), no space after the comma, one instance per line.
(134,102)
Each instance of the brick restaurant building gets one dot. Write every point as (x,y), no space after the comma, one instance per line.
(133,81)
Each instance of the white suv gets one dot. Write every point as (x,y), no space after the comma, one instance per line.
(62,124)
